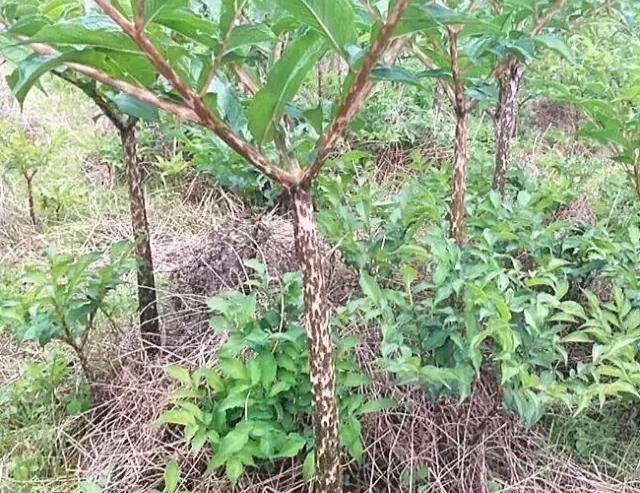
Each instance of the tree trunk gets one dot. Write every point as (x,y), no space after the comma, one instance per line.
(459,178)
(147,303)
(2,213)
(634,171)
(321,357)
(505,123)
(459,189)
(32,205)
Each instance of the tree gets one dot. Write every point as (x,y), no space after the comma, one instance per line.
(509,73)
(123,112)
(126,127)
(534,27)
(188,52)
(474,46)
(27,158)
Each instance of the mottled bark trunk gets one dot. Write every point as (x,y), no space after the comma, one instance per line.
(147,303)
(505,123)
(31,198)
(321,357)
(635,172)
(461,155)
(459,178)
(2,213)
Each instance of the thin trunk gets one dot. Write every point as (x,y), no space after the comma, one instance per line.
(505,123)
(32,206)
(2,213)
(321,357)
(147,303)
(459,190)
(636,172)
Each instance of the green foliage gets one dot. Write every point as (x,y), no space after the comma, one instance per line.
(209,156)
(57,197)
(255,407)
(19,153)
(61,300)
(509,297)
(32,407)
(604,86)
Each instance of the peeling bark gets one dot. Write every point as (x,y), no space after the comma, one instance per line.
(505,122)
(147,303)
(321,357)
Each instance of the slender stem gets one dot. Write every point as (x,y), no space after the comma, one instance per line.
(147,301)
(30,196)
(321,357)
(217,59)
(357,94)
(139,16)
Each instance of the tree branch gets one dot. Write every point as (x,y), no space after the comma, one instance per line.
(359,90)
(459,104)
(139,16)
(107,108)
(140,93)
(542,23)
(217,59)
(430,65)
(546,18)
(193,101)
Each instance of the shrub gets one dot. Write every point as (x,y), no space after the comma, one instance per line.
(255,407)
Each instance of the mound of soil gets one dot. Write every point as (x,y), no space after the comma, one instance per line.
(395,158)
(550,114)
(578,211)
(216,263)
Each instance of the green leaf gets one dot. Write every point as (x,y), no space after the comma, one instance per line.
(554,43)
(315,117)
(292,446)
(268,368)
(234,470)
(397,74)
(573,308)
(95,31)
(178,373)
(309,466)
(190,25)
(171,477)
(254,371)
(376,405)
(249,35)
(334,19)
(30,70)
(228,14)
(136,108)
(153,8)
(356,380)
(233,368)
(371,288)
(177,417)
(284,81)
(234,441)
